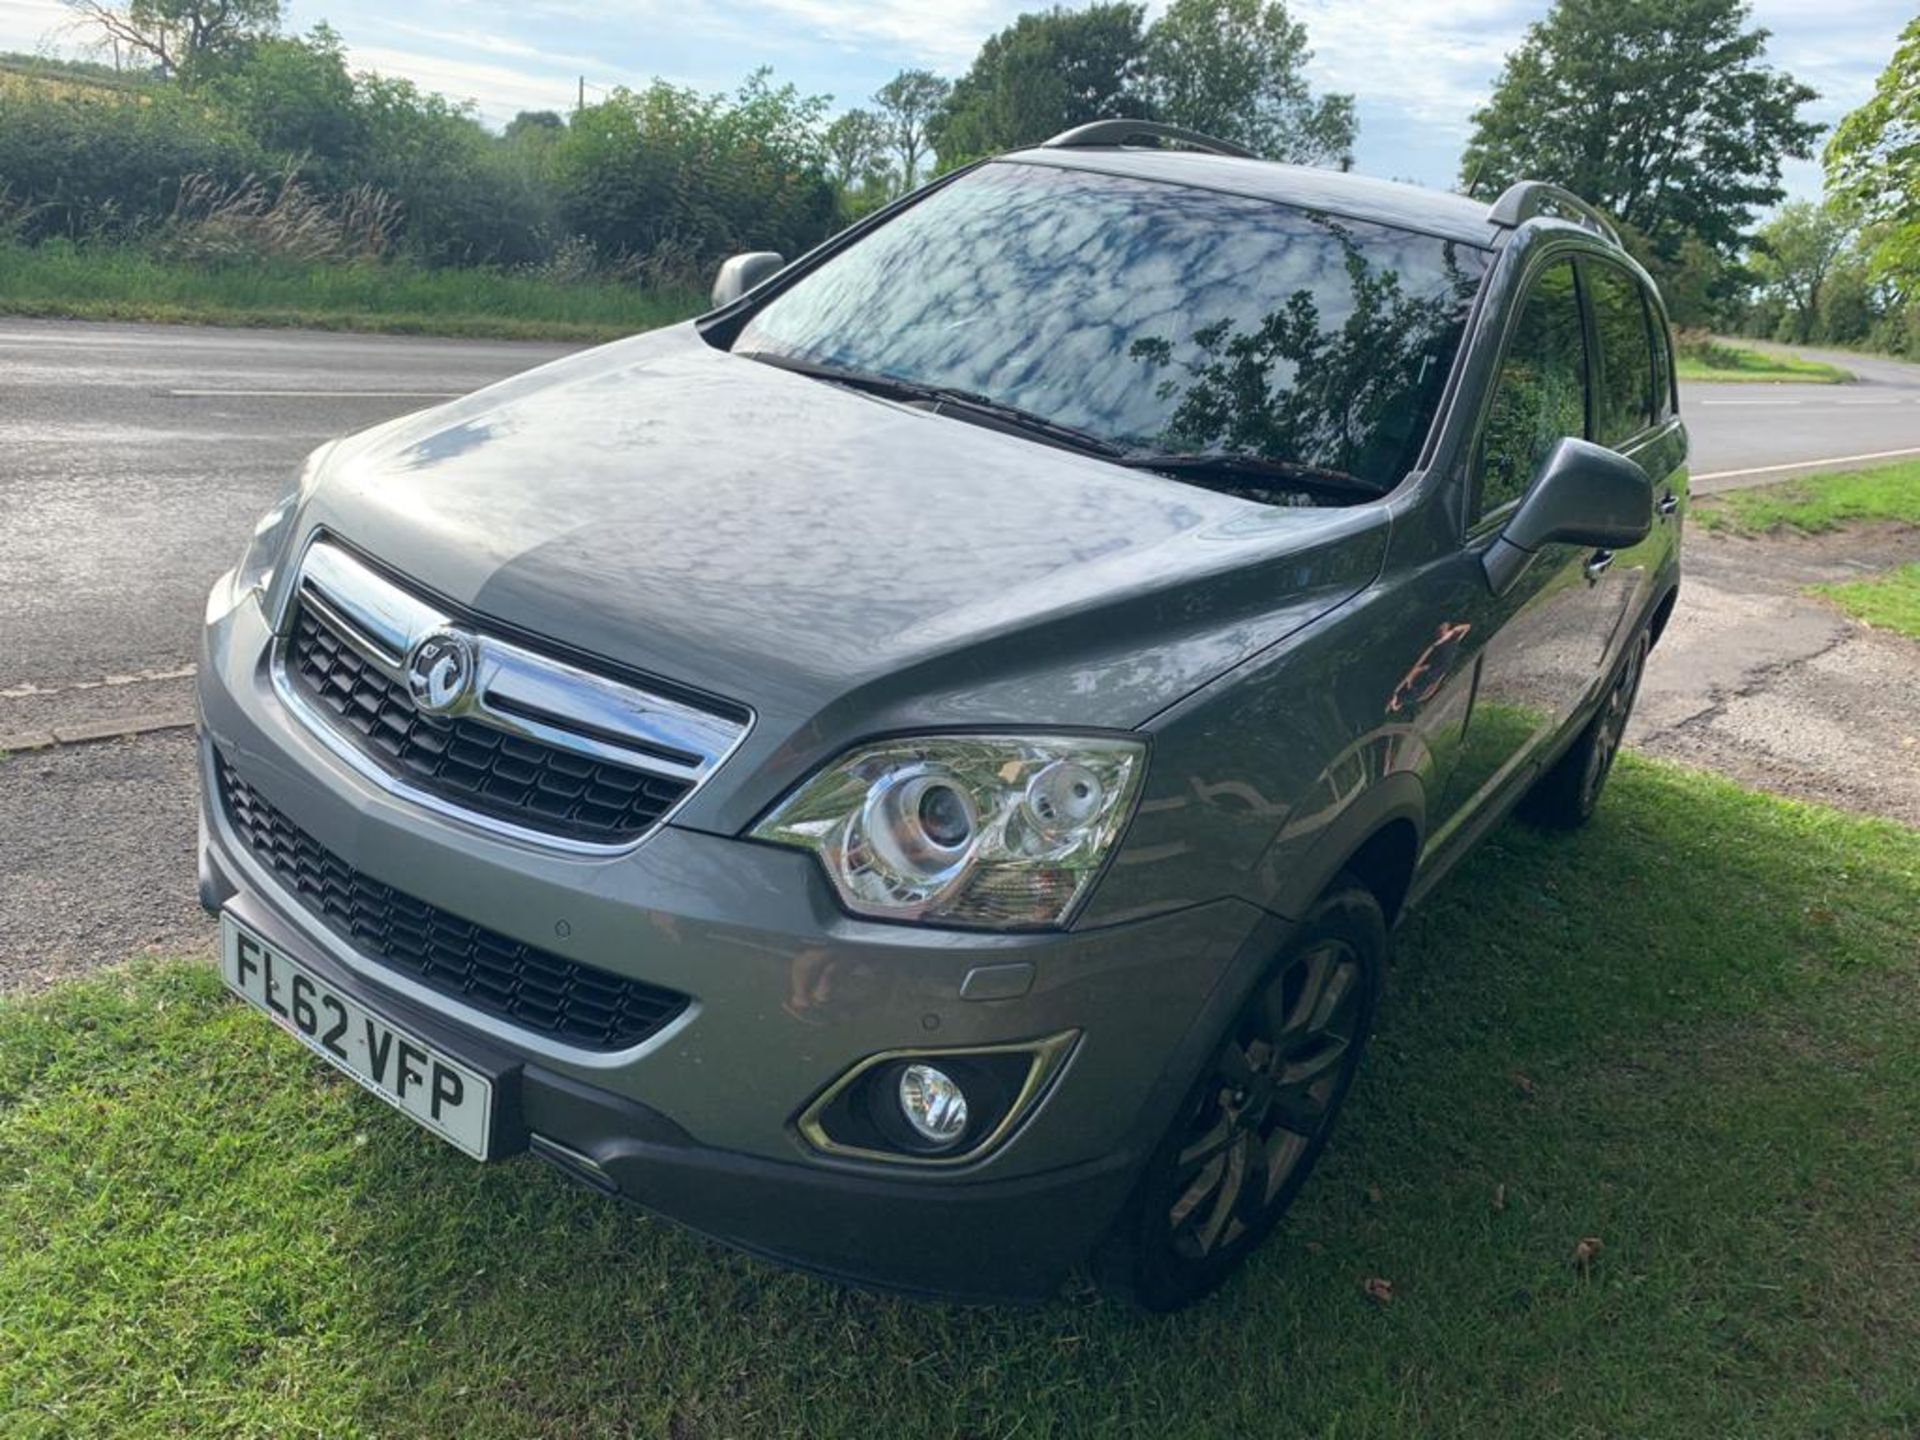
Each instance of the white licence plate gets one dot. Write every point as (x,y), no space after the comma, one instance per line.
(453,1100)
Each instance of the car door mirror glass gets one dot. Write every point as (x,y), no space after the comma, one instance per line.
(1585,494)
(740,273)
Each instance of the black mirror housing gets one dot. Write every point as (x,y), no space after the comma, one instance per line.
(740,273)
(1585,495)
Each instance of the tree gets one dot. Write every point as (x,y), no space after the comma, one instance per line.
(1793,255)
(295,97)
(535,125)
(1661,112)
(182,37)
(1873,163)
(908,103)
(856,146)
(1235,69)
(1046,72)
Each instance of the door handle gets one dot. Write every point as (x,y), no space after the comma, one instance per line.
(1599,563)
(1669,503)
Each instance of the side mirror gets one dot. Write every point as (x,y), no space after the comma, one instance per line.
(741,273)
(1586,495)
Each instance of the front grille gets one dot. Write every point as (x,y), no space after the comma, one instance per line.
(475,765)
(577,1003)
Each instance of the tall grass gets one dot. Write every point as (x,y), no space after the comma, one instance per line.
(107,282)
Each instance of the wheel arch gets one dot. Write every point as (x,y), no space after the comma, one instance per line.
(1376,838)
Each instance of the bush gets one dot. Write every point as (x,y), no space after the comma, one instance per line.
(100,163)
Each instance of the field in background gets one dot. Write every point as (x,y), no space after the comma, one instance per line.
(1704,359)
(1690,1034)
(114,283)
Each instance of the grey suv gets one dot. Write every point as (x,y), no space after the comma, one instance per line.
(912,773)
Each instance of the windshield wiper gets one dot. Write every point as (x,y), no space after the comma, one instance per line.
(1208,465)
(964,401)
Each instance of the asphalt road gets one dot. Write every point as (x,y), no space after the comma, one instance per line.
(134,460)
(1752,433)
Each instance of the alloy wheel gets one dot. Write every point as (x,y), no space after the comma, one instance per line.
(1274,1086)
(1611,727)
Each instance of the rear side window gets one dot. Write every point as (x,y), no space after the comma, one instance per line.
(1540,395)
(1625,396)
(1662,363)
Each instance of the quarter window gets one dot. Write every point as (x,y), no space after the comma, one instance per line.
(1626,355)
(1540,396)
(1662,363)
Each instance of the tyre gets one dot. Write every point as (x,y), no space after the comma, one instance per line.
(1249,1132)
(1564,798)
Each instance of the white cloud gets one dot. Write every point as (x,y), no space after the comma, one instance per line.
(31,25)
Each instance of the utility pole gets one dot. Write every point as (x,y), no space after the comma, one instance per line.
(581,103)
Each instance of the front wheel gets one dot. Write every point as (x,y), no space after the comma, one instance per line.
(1564,798)
(1255,1122)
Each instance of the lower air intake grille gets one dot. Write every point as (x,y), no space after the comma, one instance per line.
(579,1004)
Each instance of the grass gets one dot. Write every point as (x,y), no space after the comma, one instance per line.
(1887,602)
(1692,1032)
(1817,503)
(1718,361)
(109,283)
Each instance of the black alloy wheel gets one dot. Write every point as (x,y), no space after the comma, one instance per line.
(1257,1119)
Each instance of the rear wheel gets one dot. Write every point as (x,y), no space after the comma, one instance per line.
(1254,1124)
(1565,797)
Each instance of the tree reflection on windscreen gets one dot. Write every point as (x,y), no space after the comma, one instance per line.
(1160,317)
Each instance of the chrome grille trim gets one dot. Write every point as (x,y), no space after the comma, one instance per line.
(518,691)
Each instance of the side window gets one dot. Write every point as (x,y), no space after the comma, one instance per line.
(1662,362)
(1540,394)
(1625,396)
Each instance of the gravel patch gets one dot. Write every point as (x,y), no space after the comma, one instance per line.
(97,857)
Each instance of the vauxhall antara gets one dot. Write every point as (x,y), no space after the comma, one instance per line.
(913,772)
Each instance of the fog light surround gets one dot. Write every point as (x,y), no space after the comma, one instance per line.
(933,1107)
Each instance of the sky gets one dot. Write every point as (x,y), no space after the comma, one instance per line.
(1417,68)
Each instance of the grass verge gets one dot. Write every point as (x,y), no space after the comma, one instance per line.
(1817,503)
(1717,361)
(1887,602)
(106,283)
(1692,1032)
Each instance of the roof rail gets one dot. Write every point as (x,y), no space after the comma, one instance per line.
(1524,199)
(1119,132)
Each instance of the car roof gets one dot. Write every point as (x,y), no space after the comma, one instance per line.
(1335,192)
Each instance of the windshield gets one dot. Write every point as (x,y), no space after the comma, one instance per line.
(1160,318)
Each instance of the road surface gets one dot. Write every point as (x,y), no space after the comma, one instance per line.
(1751,433)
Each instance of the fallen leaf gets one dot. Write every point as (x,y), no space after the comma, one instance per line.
(1499,1199)
(1379,1291)
(1374,1195)
(1586,1250)
(1523,1084)
(1314,1247)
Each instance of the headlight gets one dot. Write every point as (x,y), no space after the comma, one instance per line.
(990,831)
(270,535)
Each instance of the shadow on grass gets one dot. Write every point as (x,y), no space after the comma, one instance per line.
(1692,1032)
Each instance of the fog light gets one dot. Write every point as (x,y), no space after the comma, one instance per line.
(935,1106)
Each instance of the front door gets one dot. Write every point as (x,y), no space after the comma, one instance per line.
(1536,650)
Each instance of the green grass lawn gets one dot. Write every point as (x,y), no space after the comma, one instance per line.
(1718,361)
(1692,1032)
(1888,602)
(104,283)
(1817,502)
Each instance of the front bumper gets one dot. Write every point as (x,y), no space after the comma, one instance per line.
(698,1121)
